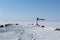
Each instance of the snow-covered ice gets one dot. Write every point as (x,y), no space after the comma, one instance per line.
(19,32)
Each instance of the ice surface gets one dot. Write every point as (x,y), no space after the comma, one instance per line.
(19,32)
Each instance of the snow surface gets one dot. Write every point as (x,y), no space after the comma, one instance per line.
(19,32)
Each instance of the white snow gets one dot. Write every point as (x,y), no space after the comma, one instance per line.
(23,32)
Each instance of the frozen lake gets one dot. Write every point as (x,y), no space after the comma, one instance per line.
(23,32)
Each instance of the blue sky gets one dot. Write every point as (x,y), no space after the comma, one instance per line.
(29,10)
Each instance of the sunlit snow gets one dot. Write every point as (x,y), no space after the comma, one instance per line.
(21,32)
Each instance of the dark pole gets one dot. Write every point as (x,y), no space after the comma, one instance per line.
(37,22)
